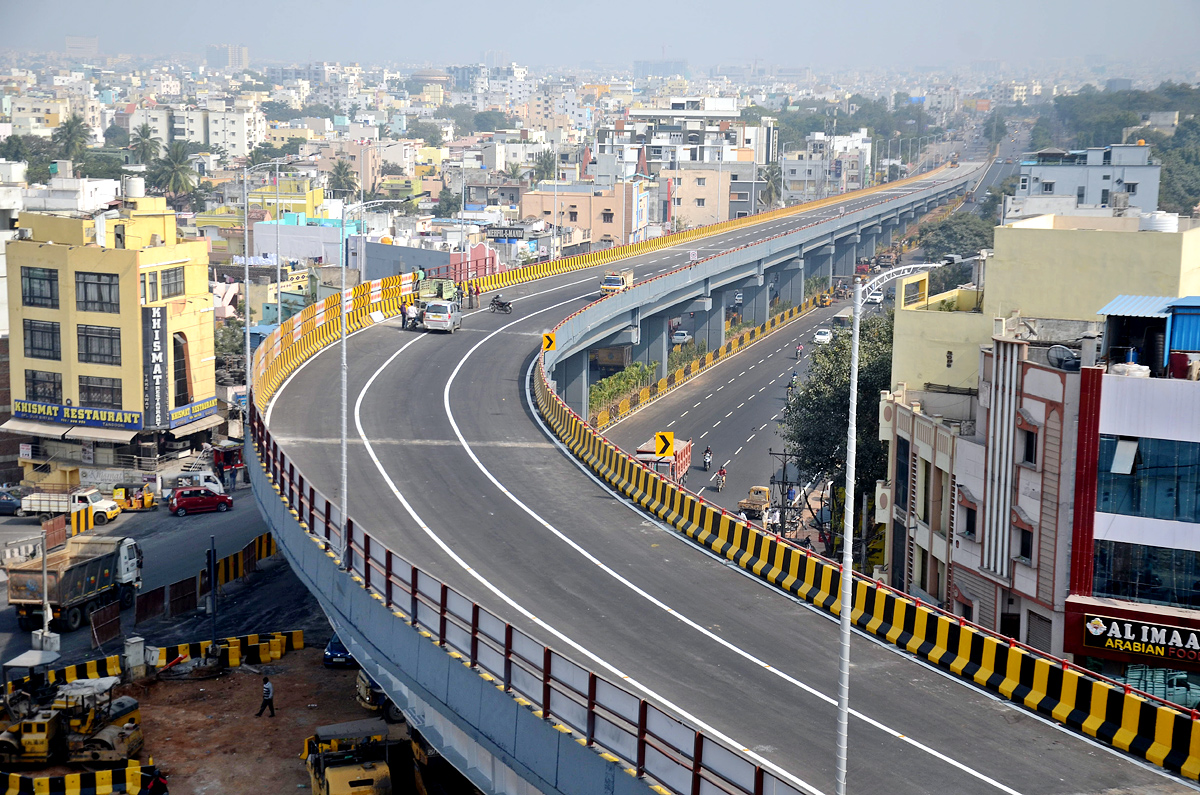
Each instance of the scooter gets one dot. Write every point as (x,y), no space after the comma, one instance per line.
(707,461)
(500,306)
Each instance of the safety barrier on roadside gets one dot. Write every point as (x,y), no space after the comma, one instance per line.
(1150,728)
(92,669)
(252,649)
(136,777)
(300,337)
(672,381)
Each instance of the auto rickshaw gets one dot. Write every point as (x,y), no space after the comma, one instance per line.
(824,300)
(135,496)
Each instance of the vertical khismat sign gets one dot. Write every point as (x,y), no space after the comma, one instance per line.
(154,366)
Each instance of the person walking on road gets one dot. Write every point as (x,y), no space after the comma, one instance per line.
(268,698)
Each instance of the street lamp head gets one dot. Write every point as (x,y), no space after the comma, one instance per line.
(951,259)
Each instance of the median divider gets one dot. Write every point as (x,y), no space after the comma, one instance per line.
(1149,728)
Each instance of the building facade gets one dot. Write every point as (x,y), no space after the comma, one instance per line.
(1121,175)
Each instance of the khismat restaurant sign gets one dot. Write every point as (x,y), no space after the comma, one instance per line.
(1137,637)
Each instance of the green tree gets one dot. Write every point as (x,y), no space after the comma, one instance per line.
(961,233)
(1040,136)
(463,117)
(145,146)
(317,110)
(71,137)
(97,166)
(343,178)
(278,111)
(994,127)
(173,173)
(544,167)
(768,197)
(13,149)
(230,338)
(490,121)
(989,208)
(116,136)
(514,171)
(815,421)
(448,204)
(426,131)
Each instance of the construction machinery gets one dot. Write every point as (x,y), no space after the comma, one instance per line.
(755,504)
(353,758)
(77,722)
(88,573)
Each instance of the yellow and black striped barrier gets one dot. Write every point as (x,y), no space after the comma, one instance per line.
(1157,733)
(254,649)
(92,669)
(134,778)
(82,520)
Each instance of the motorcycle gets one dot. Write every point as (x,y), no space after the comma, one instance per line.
(799,352)
(500,306)
(707,461)
(720,482)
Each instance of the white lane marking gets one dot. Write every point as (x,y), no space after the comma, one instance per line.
(704,434)
(710,394)
(773,380)
(760,361)
(755,434)
(722,387)
(735,452)
(684,414)
(493,588)
(751,367)
(731,380)
(672,422)
(739,406)
(698,405)
(730,414)
(727,460)
(739,375)
(761,388)
(718,422)
(749,398)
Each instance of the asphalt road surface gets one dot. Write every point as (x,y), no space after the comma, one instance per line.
(451,469)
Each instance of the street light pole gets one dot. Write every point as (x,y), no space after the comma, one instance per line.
(246,273)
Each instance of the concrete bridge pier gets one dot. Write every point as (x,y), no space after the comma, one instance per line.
(655,343)
(571,379)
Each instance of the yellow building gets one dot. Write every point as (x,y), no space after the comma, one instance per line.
(1050,266)
(111,361)
(296,195)
(279,136)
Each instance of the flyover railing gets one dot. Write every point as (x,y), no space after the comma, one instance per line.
(1142,724)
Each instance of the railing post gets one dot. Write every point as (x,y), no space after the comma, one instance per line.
(387,569)
(312,510)
(758,780)
(590,734)
(474,634)
(328,520)
(507,657)
(348,544)
(641,739)
(442,595)
(546,657)
(367,561)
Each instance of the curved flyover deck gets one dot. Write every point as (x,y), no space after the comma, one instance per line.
(450,466)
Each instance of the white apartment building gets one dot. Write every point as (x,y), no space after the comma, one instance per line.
(826,166)
(238,131)
(160,121)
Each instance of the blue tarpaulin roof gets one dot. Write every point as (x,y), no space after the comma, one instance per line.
(1138,306)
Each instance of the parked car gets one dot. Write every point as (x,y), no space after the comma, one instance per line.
(823,336)
(681,337)
(876,297)
(185,501)
(10,501)
(337,655)
(443,315)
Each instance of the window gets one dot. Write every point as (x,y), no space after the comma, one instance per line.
(678,181)
(791,172)
(1047,187)
(926,490)
(99,393)
(99,344)
(1138,573)
(970,517)
(676,201)
(1080,195)
(42,340)
(699,202)
(733,177)
(1149,478)
(901,476)
(149,288)
(97,292)
(701,181)
(1104,196)
(607,216)
(1124,457)
(43,387)
(39,287)
(1024,183)
(1028,448)
(573,215)
(739,197)
(1026,553)
(1131,188)
(182,391)
(172,282)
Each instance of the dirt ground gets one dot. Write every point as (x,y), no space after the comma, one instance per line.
(205,737)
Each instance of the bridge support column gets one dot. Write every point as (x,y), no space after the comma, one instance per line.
(791,282)
(571,378)
(867,247)
(756,303)
(819,262)
(655,343)
(710,324)
(845,250)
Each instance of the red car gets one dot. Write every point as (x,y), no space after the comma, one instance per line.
(185,501)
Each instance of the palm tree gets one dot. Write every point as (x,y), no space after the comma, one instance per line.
(769,194)
(145,145)
(545,167)
(342,177)
(71,137)
(514,170)
(173,173)
(259,155)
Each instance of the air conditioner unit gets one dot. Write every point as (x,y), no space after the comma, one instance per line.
(24,234)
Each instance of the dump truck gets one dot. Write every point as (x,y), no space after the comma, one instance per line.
(674,466)
(88,573)
(77,722)
(616,282)
(45,504)
(352,758)
(755,504)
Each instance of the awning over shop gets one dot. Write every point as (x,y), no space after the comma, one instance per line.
(199,425)
(49,429)
(86,433)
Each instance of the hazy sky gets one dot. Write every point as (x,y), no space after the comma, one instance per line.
(789,32)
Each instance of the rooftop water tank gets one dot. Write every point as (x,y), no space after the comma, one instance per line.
(135,187)
(1158,221)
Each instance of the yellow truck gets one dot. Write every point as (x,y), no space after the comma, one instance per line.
(616,282)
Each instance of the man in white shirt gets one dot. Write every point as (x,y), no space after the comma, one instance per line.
(268,698)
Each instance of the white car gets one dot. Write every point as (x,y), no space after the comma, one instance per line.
(823,336)
(876,297)
(681,337)
(443,315)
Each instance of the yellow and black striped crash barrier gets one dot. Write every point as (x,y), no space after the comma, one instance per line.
(134,778)
(92,669)
(234,567)
(82,520)
(254,649)
(1159,734)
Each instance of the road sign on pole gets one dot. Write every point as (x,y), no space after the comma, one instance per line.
(548,343)
(664,443)
(693,256)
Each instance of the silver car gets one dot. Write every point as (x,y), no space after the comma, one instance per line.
(443,316)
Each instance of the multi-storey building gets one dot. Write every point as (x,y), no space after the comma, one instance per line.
(612,216)
(228,57)
(1098,178)
(827,165)
(112,356)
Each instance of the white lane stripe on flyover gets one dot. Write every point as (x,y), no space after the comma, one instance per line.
(644,594)
(501,594)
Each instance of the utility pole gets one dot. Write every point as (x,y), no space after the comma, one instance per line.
(784,481)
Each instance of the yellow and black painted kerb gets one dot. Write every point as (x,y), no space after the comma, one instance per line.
(1159,734)
(92,669)
(254,649)
(134,778)
(82,520)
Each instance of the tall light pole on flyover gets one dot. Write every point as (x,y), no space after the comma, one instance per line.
(847,590)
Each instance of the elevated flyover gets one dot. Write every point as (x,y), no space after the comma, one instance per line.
(475,540)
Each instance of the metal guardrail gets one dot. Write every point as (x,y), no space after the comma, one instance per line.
(603,714)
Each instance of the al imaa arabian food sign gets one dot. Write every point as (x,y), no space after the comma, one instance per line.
(1138,637)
